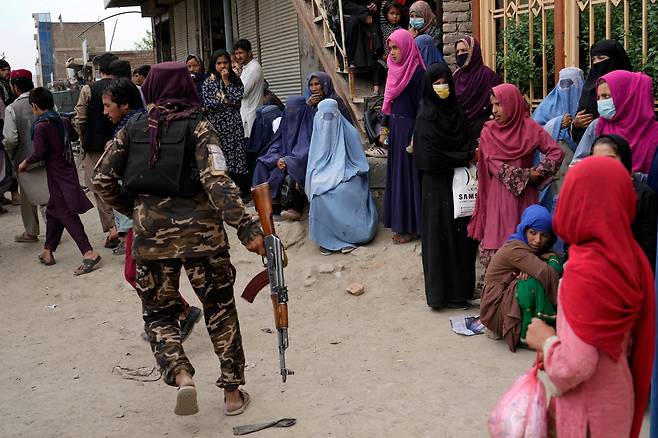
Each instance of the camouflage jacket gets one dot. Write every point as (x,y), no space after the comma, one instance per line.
(177,227)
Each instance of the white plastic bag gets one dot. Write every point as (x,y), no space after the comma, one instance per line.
(521,411)
(464,190)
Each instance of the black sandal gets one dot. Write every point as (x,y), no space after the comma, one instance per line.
(87,266)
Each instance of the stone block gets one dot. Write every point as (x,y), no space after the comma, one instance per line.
(449,27)
(377,172)
(463,16)
(450,17)
(355,289)
(456,6)
(466,27)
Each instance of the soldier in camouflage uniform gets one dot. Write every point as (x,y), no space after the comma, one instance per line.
(175,231)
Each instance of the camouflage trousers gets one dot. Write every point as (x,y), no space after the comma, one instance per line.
(212,279)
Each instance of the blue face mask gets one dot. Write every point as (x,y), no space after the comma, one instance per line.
(417,23)
(606,108)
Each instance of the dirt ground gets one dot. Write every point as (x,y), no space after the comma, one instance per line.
(378,365)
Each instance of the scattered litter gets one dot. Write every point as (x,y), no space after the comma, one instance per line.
(141,374)
(69,318)
(467,325)
(103,322)
(334,342)
(309,282)
(121,415)
(356,289)
(267,330)
(51,306)
(251,428)
(249,366)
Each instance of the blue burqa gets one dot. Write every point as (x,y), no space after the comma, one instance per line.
(261,132)
(342,211)
(563,99)
(428,50)
(290,142)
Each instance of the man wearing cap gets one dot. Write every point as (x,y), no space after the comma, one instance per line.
(17,141)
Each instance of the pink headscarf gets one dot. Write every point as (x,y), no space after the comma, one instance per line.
(518,136)
(634,120)
(400,73)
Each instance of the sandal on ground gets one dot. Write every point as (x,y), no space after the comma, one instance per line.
(325,252)
(43,260)
(245,402)
(112,243)
(186,403)
(87,266)
(377,152)
(400,239)
(347,249)
(25,238)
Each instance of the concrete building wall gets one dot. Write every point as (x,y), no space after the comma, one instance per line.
(457,22)
(67,43)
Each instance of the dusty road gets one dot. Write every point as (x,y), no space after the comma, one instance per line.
(378,365)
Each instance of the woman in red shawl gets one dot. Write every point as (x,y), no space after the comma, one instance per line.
(600,360)
(507,181)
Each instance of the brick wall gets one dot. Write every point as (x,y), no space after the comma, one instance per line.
(136,58)
(456,23)
(67,44)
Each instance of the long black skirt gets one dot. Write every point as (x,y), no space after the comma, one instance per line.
(448,253)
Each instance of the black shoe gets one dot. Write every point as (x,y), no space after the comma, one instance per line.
(187,324)
(458,305)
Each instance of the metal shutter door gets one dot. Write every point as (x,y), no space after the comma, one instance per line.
(192,22)
(180,32)
(247,24)
(279,37)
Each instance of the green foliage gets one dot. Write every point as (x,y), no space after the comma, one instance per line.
(617,32)
(521,71)
(145,43)
(523,62)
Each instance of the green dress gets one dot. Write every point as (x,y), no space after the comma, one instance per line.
(533,301)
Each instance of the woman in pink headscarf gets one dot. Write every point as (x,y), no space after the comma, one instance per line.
(507,181)
(626,99)
(402,95)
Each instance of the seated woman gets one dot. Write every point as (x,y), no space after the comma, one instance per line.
(342,213)
(523,274)
(261,133)
(321,87)
(284,162)
(646,217)
(360,32)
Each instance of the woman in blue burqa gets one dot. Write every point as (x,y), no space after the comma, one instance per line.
(283,166)
(342,213)
(555,114)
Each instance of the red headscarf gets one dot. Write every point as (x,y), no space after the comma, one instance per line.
(518,136)
(400,73)
(632,94)
(608,289)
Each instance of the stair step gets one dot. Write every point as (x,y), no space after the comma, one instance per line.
(330,44)
(358,100)
(318,19)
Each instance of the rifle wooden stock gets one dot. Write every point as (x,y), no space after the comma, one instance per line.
(263,203)
(280,313)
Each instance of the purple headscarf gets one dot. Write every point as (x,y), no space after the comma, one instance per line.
(170,95)
(474,81)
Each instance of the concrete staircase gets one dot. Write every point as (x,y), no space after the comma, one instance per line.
(352,87)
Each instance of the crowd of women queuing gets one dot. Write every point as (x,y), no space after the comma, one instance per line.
(565,218)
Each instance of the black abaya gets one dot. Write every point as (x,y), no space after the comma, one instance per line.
(443,141)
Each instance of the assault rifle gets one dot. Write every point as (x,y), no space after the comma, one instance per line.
(276,260)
